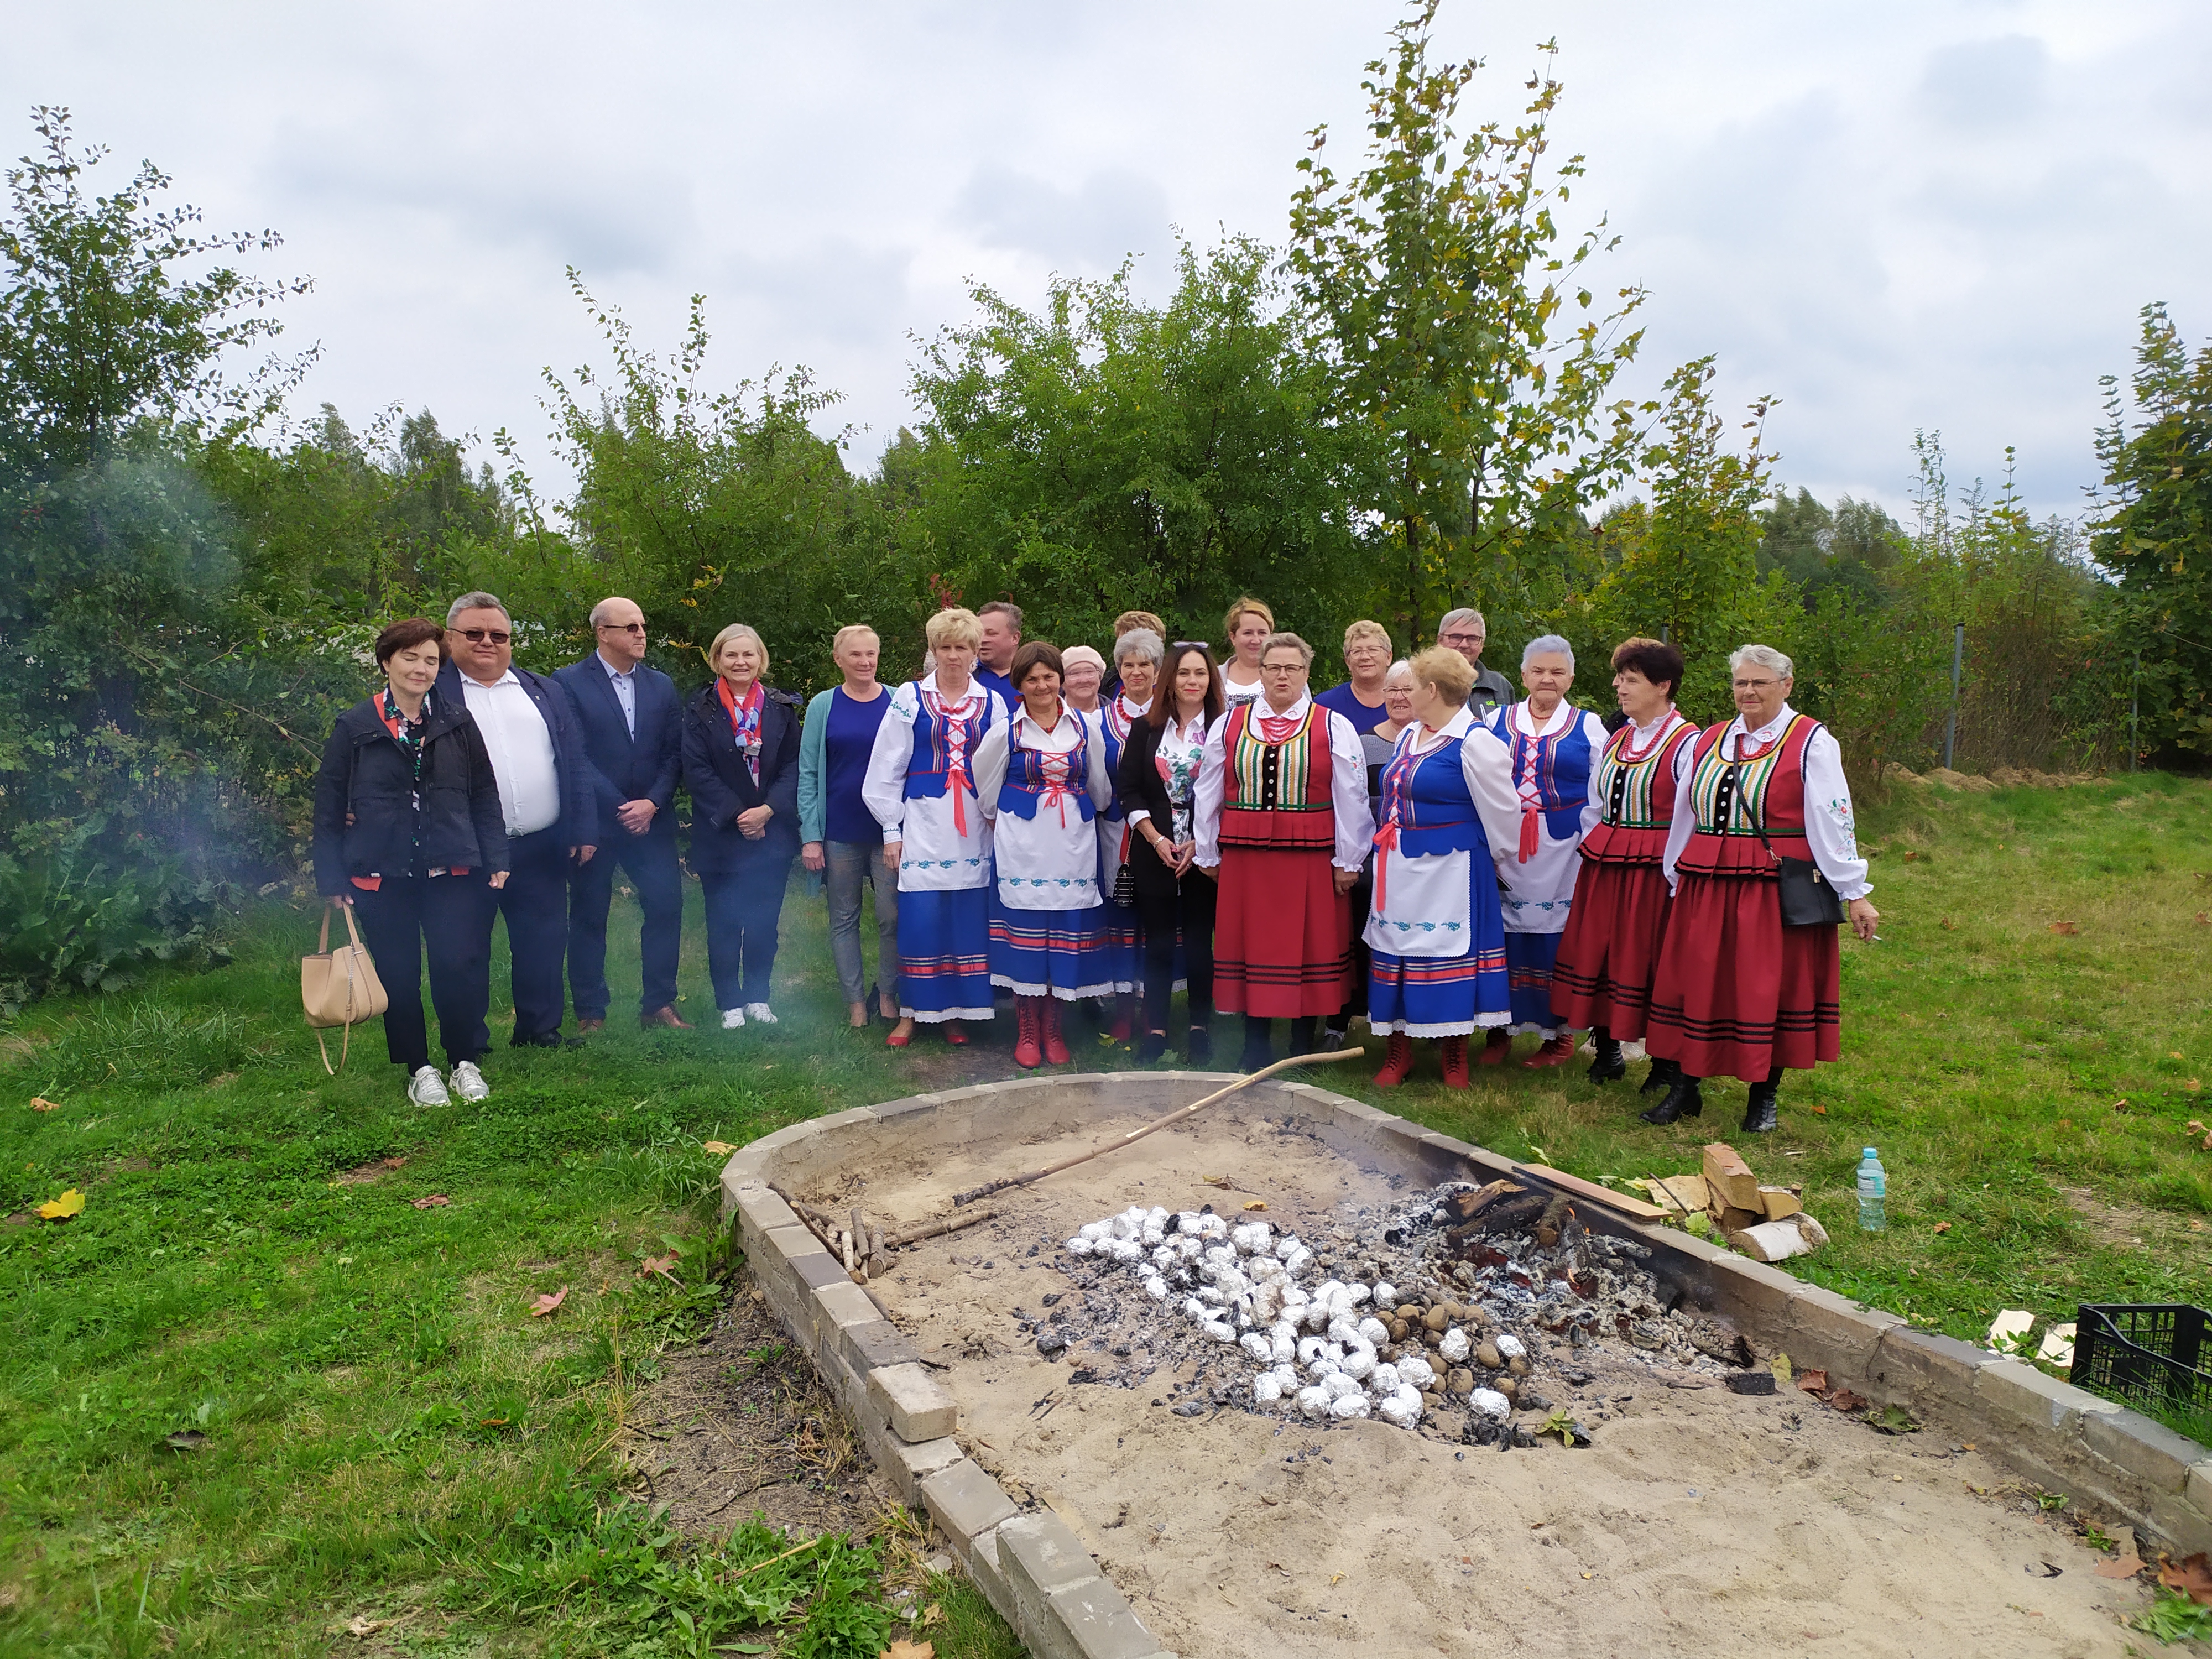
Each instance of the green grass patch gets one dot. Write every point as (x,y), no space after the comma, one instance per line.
(254,1393)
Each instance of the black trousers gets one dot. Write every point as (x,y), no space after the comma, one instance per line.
(744,905)
(535,903)
(449,918)
(1191,909)
(650,860)
(1363,906)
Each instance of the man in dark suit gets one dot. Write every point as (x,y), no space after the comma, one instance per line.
(631,722)
(545,796)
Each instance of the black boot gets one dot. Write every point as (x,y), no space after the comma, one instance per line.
(1151,1046)
(1200,1045)
(1610,1065)
(1301,1036)
(1662,1077)
(1759,1118)
(1259,1043)
(1683,1100)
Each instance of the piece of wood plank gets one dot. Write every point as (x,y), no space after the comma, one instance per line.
(1779,1201)
(1621,1203)
(1687,1191)
(1730,1178)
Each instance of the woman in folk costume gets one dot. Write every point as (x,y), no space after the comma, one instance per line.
(1435,940)
(1742,991)
(1136,671)
(1282,816)
(921,785)
(1552,745)
(1610,950)
(1042,776)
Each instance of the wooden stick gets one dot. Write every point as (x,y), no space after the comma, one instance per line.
(951,1224)
(794,1550)
(1154,1128)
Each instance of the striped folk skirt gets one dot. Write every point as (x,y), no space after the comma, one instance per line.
(1609,953)
(1282,936)
(945,963)
(1446,996)
(1737,993)
(1058,953)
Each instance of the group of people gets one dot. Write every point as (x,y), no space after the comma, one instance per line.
(1416,845)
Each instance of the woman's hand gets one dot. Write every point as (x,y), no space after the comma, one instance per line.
(1346,879)
(892,851)
(498,879)
(810,857)
(1186,855)
(752,823)
(1863,917)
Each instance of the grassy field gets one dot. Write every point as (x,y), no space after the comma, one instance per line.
(254,1393)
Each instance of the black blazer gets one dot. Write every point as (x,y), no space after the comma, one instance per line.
(364,773)
(621,768)
(722,786)
(1142,788)
(579,823)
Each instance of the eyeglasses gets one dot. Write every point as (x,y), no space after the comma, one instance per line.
(621,628)
(1754,685)
(478,635)
(1282,668)
(1457,638)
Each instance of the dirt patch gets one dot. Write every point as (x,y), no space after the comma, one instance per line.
(740,1422)
(2129,1226)
(1699,1519)
(367,1173)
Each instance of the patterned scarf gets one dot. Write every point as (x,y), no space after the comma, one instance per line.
(745,722)
(408,736)
(951,720)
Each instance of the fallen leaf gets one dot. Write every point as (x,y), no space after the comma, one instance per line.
(1844,1400)
(2204,918)
(1812,1382)
(661,1265)
(2063,927)
(931,1614)
(2173,1054)
(720,1148)
(435,1201)
(187,1440)
(2193,1086)
(1942,1226)
(61,1209)
(40,1104)
(1257,1204)
(2195,1126)
(1893,1419)
(2191,1575)
(1221,1182)
(2126,1567)
(362,1626)
(1780,1368)
(546,1304)
(1821,1109)
(1948,925)
(905,1649)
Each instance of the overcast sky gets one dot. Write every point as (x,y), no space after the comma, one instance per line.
(1941,214)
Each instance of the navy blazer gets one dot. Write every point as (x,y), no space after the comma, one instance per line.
(579,823)
(722,786)
(622,768)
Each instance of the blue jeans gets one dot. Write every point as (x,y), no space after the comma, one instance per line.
(849,866)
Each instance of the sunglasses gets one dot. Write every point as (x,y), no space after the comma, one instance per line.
(478,635)
(621,628)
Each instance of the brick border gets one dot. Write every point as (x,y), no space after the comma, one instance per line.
(1036,1572)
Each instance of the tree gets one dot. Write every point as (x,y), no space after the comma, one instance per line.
(1470,350)
(2153,532)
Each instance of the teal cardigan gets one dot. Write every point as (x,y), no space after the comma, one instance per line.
(814,763)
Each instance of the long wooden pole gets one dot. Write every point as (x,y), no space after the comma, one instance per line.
(1154,1128)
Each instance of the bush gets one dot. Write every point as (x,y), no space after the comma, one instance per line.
(66,926)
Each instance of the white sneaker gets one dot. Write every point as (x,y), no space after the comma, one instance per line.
(760,1013)
(427,1088)
(734,1019)
(469,1083)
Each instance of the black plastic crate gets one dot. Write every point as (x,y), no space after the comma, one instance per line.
(2148,1351)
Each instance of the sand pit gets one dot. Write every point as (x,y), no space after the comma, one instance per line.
(1698,1520)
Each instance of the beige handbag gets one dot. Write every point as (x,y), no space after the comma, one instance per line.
(340,986)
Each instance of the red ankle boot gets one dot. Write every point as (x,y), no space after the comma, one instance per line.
(1455,1062)
(1497,1047)
(1558,1051)
(1027,1054)
(1055,1048)
(1397,1061)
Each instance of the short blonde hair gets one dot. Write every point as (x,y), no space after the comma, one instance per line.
(1236,615)
(1277,642)
(736,631)
(1129,619)
(954,625)
(1364,629)
(1446,672)
(848,631)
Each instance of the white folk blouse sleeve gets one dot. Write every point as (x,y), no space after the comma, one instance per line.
(1828,824)
(1487,765)
(1347,789)
(990,764)
(1100,784)
(882,786)
(1207,794)
(1685,816)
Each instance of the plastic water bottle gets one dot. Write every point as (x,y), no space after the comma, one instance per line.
(1874,1187)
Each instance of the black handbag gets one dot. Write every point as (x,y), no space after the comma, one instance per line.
(1808,900)
(1125,886)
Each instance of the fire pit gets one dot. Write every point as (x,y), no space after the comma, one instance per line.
(1117,1473)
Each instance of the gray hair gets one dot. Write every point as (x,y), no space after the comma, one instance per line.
(1140,642)
(1464,614)
(1767,657)
(1547,645)
(477,601)
(1277,639)
(1401,666)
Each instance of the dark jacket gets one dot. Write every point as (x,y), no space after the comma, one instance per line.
(579,823)
(364,773)
(624,768)
(1142,789)
(722,786)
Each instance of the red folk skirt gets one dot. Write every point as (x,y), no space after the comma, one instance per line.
(1282,934)
(1609,953)
(1737,993)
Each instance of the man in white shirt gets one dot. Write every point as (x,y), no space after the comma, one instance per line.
(536,760)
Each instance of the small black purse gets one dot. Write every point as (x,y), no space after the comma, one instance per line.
(1125,886)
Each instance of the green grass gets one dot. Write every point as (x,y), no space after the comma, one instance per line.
(389,1434)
